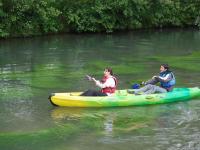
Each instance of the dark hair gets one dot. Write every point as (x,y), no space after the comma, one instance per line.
(109,70)
(166,66)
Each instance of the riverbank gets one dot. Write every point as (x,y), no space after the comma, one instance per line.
(32,18)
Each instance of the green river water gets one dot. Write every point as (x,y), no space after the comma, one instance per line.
(32,68)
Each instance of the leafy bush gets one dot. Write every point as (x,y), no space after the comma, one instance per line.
(33,17)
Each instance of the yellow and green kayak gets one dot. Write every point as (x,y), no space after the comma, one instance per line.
(123,98)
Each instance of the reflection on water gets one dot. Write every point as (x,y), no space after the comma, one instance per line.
(171,126)
(108,125)
(31,69)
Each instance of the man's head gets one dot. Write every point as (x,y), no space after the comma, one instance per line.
(164,67)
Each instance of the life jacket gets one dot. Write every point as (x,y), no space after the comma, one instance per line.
(167,85)
(108,89)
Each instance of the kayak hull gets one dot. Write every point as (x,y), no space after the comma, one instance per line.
(123,98)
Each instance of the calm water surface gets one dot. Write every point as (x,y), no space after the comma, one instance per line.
(32,68)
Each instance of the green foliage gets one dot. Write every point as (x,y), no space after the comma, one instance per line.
(32,17)
(28,17)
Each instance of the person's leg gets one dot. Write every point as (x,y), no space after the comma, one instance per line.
(152,81)
(150,89)
(99,93)
(87,93)
(155,89)
(93,93)
(160,90)
(143,89)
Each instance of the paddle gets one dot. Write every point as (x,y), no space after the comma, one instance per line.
(90,78)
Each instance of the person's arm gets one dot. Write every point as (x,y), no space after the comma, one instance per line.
(167,78)
(109,83)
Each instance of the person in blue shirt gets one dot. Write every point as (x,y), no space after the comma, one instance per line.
(166,79)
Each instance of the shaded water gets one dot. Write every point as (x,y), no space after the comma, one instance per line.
(32,68)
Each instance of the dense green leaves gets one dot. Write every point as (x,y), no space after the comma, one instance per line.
(28,17)
(32,17)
